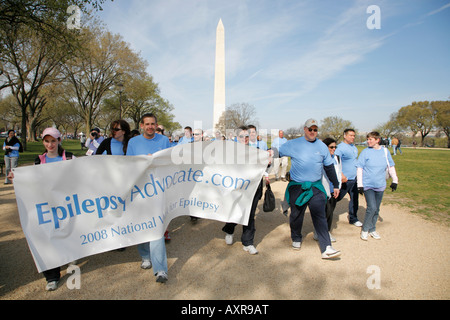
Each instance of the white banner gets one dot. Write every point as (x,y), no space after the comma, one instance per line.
(73,209)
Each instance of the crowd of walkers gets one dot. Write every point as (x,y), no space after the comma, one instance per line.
(321,174)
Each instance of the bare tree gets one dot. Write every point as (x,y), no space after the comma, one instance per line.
(334,127)
(29,62)
(236,115)
(91,75)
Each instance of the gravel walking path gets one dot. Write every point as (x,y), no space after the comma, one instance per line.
(411,261)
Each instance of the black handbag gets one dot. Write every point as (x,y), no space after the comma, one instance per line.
(269,200)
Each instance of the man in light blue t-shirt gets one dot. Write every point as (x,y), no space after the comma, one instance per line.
(153,253)
(348,153)
(309,159)
(187,138)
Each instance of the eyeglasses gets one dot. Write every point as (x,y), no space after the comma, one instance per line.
(332,147)
(243,136)
(315,130)
(117,129)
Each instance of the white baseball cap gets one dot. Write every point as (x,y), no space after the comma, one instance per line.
(311,122)
(51,132)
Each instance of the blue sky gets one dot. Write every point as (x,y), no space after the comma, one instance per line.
(291,59)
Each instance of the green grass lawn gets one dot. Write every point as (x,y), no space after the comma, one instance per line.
(424,178)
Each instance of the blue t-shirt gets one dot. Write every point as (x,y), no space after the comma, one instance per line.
(260,144)
(278,142)
(307,159)
(185,140)
(55,159)
(374,165)
(348,154)
(140,145)
(116,148)
(13,153)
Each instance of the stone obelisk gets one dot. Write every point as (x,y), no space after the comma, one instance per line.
(219,80)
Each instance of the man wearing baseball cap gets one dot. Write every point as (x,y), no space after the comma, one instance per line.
(309,158)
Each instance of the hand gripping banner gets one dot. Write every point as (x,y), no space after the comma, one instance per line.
(88,205)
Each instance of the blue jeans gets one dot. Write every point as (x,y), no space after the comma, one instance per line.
(373,199)
(155,251)
(10,163)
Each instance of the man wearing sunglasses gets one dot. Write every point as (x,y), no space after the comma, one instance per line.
(309,158)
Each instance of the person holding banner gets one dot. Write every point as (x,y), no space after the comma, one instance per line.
(153,253)
(51,139)
(117,143)
(309,157)
(248,231)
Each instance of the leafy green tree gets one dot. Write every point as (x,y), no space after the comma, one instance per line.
(418,117)
(442,110)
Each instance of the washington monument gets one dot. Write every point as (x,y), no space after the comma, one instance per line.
(219,79)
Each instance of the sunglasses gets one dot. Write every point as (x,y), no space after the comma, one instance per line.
(332,147)
(310,130)
(243,136)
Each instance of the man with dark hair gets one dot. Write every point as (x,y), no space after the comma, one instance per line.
(187,138)
(94,141)
(153,252)
(348,153)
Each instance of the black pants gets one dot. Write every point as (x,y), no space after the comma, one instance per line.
(248,231)
(317,208)
(52,274)
(329,210)
(351,188)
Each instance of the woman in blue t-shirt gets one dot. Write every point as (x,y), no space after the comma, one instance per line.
(12,146)
(117,143)
(371,178)
(54,152)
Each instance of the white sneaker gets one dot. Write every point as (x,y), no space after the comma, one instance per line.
(296,245)
(146,264)
(51,286)
(375,235)
(357,224)
(250,249)
(161,276)
(229,239)
(330,253)
(364,235)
